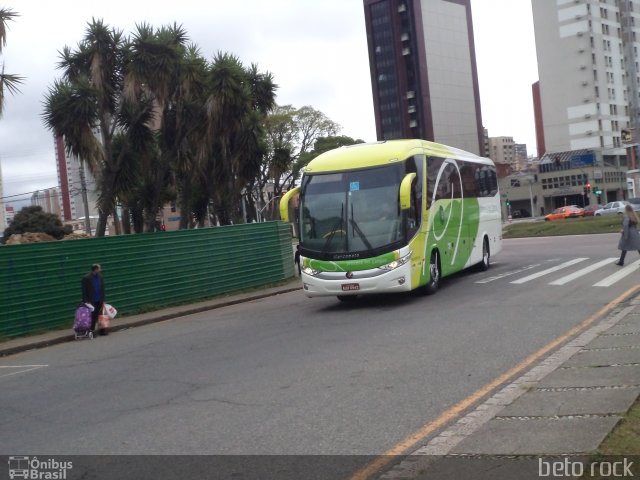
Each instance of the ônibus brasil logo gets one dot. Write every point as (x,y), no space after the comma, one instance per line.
(33,468)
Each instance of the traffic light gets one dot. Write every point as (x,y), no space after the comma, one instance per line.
(507,202)
(587,188)
(164,227)
(597,190)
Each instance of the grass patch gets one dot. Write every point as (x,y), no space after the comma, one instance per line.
(625,438)
(569,226)
(621,443)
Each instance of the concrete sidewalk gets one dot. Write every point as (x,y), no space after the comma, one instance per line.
(563,407)
(22,344)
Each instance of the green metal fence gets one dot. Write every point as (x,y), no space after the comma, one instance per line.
(40,283)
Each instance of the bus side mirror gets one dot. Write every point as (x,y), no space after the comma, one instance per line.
(405,191)
(284,203)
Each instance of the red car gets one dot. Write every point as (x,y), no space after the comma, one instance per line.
(589,210)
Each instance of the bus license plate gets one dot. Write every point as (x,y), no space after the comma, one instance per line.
(350,286)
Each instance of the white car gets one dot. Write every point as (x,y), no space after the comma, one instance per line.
(612,208)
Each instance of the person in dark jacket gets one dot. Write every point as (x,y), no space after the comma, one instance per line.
(297,258)
(93,293)
(630,239)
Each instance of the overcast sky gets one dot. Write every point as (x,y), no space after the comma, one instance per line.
(316,50)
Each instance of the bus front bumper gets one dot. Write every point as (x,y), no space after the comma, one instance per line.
(362,283)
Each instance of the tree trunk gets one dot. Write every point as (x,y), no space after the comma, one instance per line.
(101,227)
(126,220)
(150,221)
(138,219)
(185,204)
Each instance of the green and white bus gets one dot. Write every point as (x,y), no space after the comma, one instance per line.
(394,216)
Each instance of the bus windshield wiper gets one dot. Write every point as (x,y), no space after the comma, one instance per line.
(356,229)
(334,229)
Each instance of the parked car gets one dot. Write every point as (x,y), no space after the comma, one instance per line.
(571,211)
(589,210)
(522,213)
(612,208)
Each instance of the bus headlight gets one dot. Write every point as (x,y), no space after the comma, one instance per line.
(396,263)
(310,271)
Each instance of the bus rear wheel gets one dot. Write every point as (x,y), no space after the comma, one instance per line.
(434,275)
(486,256)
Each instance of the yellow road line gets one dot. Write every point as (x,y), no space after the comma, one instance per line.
(453,412)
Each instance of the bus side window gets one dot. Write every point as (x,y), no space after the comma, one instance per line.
(456,189)
(469,185)
(433,166)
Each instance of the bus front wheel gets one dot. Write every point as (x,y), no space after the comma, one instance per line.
(434,274)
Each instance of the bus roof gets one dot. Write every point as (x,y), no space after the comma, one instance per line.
(364,155)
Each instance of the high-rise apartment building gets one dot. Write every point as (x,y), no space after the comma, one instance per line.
(520,155)
(71,185)
(48,199)
(589,75)
(502,150)
(423,71)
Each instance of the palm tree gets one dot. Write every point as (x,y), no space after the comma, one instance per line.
(89,101)
(8,82)
(238,101)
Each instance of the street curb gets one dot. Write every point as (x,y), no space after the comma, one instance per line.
(64,337)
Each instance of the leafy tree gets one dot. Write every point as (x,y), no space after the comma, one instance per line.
(324,144)
(291,133)
(8,82)
(34,220)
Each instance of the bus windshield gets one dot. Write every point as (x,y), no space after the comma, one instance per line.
(351,212)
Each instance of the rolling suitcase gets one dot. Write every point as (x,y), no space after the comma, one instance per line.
(82,322)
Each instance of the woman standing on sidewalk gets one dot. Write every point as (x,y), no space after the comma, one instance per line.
(630,239)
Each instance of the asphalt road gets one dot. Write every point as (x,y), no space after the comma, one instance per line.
(291,375)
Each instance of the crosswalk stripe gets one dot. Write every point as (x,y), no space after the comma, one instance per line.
(611,279)
(550,270)
(584,271)
(507,274)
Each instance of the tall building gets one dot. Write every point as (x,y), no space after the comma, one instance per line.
(486,152)
(520,156)
(589,75)
(423,71)
(502,150)
(70,181)
(48,199)
(537,113)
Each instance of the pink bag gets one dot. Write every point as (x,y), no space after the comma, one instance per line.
(103,319)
